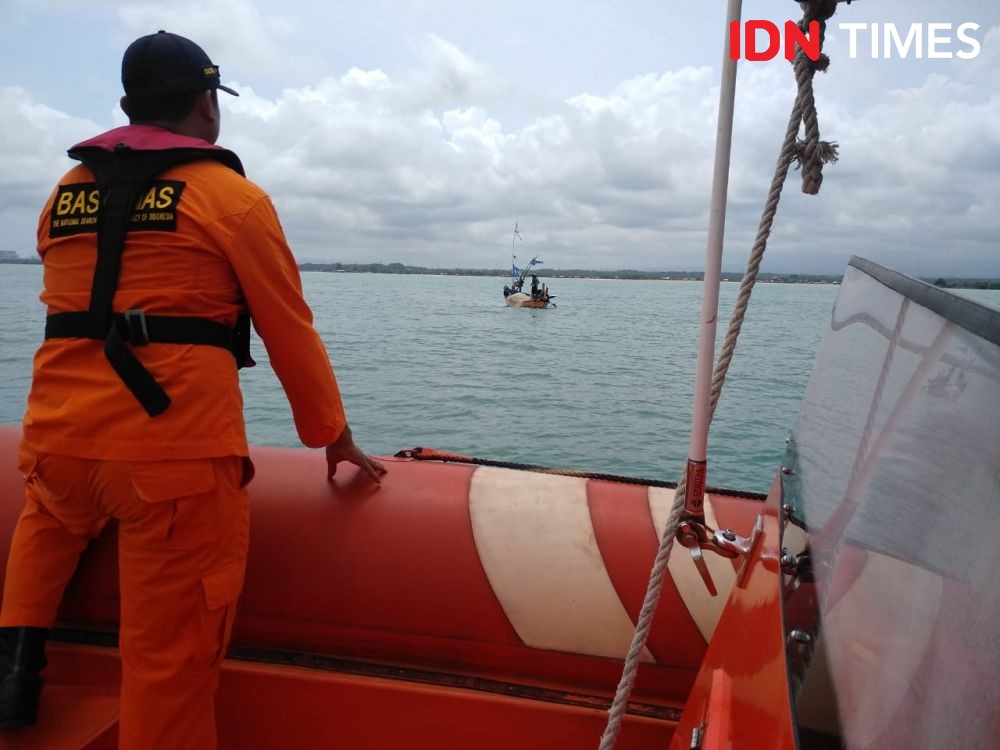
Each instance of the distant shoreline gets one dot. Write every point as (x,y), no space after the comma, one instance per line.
(624,274)
(573,273)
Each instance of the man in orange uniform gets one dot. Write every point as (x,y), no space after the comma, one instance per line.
(155,249)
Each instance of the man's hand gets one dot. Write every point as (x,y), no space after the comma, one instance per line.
(344,449)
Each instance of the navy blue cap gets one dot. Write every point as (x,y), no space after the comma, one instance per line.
(165,64)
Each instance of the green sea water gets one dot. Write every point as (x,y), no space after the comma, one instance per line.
(602,383)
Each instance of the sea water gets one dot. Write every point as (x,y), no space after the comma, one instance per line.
(601,383)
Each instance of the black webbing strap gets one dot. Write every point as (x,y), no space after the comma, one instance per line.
(135,328)
(138,329)
(241,342)
(134,375)
(122,175)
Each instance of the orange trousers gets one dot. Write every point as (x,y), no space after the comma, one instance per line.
(183,531)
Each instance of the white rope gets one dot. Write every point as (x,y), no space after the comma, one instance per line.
(811,154)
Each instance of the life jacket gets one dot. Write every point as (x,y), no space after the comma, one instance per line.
(123,172)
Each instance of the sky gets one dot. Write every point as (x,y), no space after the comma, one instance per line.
(419,132)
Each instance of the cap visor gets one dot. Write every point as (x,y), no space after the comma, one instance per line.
(227,90)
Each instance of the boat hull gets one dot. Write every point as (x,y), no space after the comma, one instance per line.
(508,595)
(520,299)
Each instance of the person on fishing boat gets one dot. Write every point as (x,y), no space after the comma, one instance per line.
(534,286)
(157,252)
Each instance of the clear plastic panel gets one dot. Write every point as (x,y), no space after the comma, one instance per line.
(894,468)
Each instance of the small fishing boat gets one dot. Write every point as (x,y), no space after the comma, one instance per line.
(522,299)
(470,602)
(513,294)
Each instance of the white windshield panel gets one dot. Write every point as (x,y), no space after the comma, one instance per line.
(894,468)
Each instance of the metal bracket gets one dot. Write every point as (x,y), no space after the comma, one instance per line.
(697,536)
(135,327)
(697,736)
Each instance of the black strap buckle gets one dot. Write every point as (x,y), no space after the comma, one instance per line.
(135,327)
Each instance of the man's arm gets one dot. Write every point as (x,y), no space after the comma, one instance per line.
(272,287)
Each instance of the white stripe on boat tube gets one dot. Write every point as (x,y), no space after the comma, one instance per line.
(704,608)
(536,543)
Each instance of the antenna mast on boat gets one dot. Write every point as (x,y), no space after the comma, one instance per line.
(513,240)
(812,155)
(513,255)
(695,470)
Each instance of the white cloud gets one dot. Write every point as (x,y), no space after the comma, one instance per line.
(229,29)
(918,164)
(419,166)
(33,143)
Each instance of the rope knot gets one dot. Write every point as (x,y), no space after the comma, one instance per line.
(811,159)
(811,153)
(806,66)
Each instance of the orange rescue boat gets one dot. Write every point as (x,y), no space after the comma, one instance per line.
(462,604)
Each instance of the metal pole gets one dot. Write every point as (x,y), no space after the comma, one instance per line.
(701,413)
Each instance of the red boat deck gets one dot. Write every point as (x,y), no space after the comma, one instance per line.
(266,705)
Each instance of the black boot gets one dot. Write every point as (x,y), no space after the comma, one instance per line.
(22,657)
